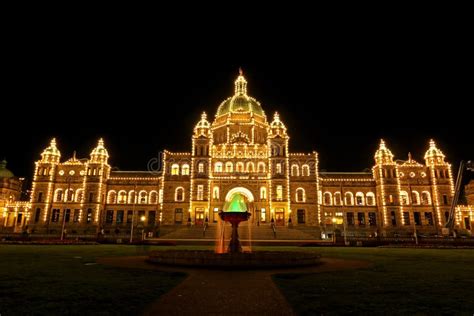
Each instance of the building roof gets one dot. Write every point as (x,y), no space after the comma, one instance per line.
(4,172)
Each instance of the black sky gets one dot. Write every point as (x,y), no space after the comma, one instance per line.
(339,90)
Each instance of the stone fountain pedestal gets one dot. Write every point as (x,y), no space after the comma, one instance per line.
(234,218)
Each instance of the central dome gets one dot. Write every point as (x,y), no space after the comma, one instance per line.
(240,102)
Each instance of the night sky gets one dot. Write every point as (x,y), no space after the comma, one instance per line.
(338,94)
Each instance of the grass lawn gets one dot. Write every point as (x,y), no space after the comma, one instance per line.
(401,282)
(53,280)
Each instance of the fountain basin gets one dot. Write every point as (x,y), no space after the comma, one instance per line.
(239,260)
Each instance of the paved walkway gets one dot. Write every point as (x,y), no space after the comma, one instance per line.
(218,292)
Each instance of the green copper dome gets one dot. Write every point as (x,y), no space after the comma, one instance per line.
(4,172)
(240,102)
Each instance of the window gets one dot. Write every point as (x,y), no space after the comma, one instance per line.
(300,195)
(445,199)
(229,167)
(178,216)
(119,219)
(404,198)
(393,218)
(350,218)
(278,168)
(122,197)
(79,195)
(406,218)
(37,215)
(201,167)
(218,167)
(279,192)
(415,198)
(417,217)
(185,170)
(143,197)
(361,218)
(151,217)
(132,197)
(301,216)
(337,198)
(175,169)
(215,193)
(327,198)
(240,167)
(372,219)
(109,217)
(153,197)
(91,197)
(179,194)
(429,218)
(129,217)
(69,195)
(55,215)
(59,195)
(360,198)
(295,171)
(112,197)
(263,215)
(305,171)
(77,213)
(349,198)
(370,198)
(250,167)
(263,193)
(200,192)
(261,167)
(425,198)
(89,215)
(40,197)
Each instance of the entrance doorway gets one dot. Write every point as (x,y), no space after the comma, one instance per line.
(301,216)
(279,217)
(199,216)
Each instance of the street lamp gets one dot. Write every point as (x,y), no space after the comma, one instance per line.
(334,229)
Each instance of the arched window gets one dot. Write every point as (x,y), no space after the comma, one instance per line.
(153,198)
(240,167)
(337,198)
(305,171)
(263,193)
(175,169)
(215,193)
(261,166)
(415,198)
(58,195)
(327,198)
(425,198)
(70,195)
(250,167)
(185,170)
(370,196)
(80,195)
(132,197)
(300,195)
(142,199)
(349,198)
(112,197)
(229,167)
(201,167)
(122,197)
(295,171)
(179,194)
(404,198)
(218,167)
(360,198)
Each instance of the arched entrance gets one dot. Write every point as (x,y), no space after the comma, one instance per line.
(239,190)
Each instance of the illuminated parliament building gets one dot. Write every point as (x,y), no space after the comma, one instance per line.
(239,151)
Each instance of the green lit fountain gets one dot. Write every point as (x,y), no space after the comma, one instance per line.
(235,211)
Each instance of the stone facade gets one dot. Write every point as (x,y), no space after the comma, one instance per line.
(241,152)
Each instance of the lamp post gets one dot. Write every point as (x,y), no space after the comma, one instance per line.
(142,220)
(68,179)
(133,211)
(334,229)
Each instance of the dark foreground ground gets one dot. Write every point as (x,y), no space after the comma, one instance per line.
(52,280)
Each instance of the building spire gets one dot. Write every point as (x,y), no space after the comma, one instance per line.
(240,84)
